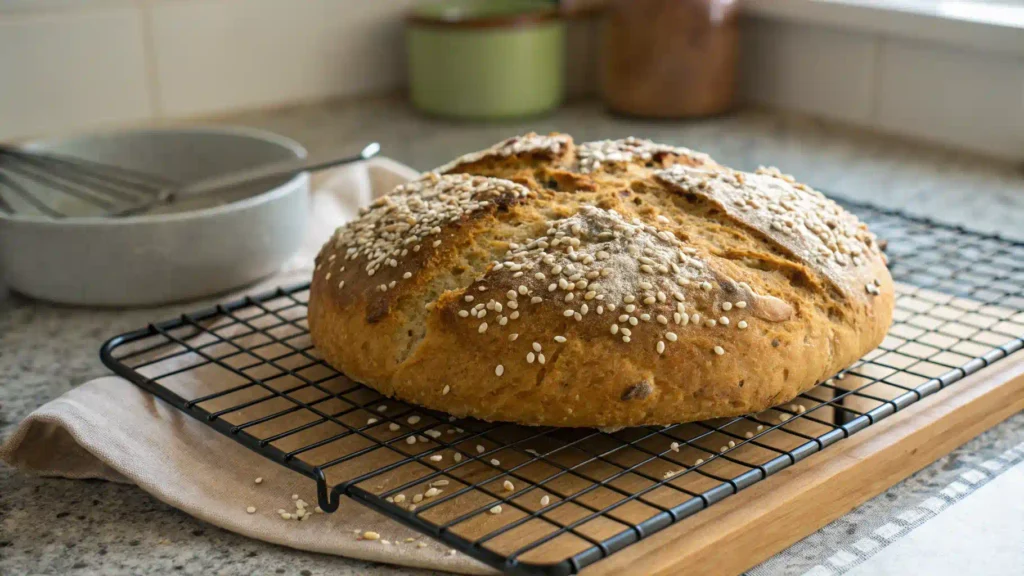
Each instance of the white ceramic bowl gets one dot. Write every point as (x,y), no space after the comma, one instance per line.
(160,258)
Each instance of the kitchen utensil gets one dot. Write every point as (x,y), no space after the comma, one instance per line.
(486,58)
(185,250)
(722,495)
(121,192)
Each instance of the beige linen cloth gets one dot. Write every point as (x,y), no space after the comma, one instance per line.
(109,429)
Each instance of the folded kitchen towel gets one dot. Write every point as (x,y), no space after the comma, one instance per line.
(112,430)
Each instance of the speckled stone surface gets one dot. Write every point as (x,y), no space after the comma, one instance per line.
(53,526)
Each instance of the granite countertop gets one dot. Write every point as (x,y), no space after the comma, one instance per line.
(67,526)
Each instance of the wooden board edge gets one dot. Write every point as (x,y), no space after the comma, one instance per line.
(747,528)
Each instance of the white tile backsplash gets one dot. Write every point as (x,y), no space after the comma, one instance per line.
(216,55)
(825,72)
(70,70)
(957,97)
(67,65)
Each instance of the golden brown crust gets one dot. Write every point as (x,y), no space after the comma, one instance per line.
(616,283)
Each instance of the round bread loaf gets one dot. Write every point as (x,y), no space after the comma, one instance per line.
(614,283)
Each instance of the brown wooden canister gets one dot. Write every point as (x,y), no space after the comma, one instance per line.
(670,58)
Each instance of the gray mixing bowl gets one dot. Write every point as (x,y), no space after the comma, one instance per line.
(190,252)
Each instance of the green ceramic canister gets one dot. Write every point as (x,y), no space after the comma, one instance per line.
(486,59)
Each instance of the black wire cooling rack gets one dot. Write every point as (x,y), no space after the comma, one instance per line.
(553,500)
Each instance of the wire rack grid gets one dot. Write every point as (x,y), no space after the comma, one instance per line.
(554,500)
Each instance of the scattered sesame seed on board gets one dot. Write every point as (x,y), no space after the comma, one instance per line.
(783,417)
(413,420)
(480,449)
(417,498)
(431,492)
(410,440)
(370,535)
(421,544)
(400,498)
(698,462)
(436,457)
(251,509)
(393,427)
(508,486)
(258,480)
(748,435)
(495,510)
(495,462)
(674,446)
(457,457)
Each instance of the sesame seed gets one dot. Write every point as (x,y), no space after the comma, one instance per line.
(536,300)
(512,337)
(783,417)
(494,462)
(719,350)
(463,313)
(545,500)
(446,390)
(748,435)
(482,328)
(417,498)
(436,458)
(508,486)
(468,298)
(251,509)
(698,462)
(540,358)
(674,446)
(410,440)
(560,339)
(671,336)
(457,457)
(530,357)
(568,313)
(258,480)
(615,328)
(496,510)
(295,496)
(569,297)
(400,498)
(625,339)
(431,492)
(371,421)
(650,300)
(661,347)
(661,319)
(742,324)
(724,321)
(369,535)
(286,515)
(741,304)
(705,286)
(499,370)
(480,449)
(627,332)
(414,419)
(633,321)
(628,299)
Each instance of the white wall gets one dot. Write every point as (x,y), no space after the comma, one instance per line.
(67,65)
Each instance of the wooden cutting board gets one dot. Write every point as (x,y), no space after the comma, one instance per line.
(751,526)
